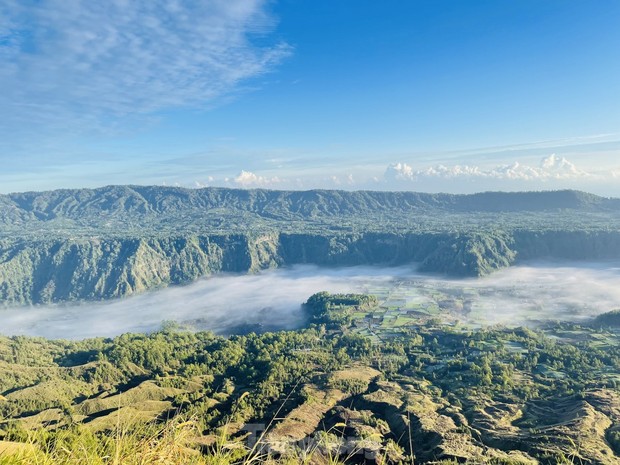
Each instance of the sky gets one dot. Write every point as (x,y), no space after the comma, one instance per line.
(422,95)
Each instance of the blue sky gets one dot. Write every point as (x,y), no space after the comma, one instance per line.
(433,95)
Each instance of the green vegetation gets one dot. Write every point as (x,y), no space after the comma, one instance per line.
(325,393)
(608,319)
(93,244)
(393,376)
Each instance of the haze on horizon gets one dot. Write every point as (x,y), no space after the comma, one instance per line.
(426,95)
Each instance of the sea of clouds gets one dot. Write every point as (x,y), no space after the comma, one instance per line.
(272,300)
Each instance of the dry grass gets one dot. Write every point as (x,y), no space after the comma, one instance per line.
(147,444)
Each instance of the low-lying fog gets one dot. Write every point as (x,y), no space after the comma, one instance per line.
(272,299)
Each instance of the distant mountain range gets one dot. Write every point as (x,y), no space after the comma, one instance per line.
(96,206)
(77,244)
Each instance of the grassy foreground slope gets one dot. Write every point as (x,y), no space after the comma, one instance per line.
(323,394)
(94,244)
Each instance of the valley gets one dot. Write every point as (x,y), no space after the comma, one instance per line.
(528,294)
(347,327)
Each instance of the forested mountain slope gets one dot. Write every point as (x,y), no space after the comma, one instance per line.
(118,240)
(149,206)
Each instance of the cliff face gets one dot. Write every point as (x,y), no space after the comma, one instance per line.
(53,271)
(94,269)
(569,245)
(470,255)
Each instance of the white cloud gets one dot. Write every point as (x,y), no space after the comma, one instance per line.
(551,168)
(560,167)
(249,179)
(68,62)
(334,181)
(451,172)
(399,172)
(515,171)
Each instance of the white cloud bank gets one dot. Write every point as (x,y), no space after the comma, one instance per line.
(552,172)
(552,167)
(515,296)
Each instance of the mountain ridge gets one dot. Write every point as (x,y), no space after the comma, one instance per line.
(140,197)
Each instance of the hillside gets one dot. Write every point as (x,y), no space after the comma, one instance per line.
(437,393)
(608,320)
(95,244)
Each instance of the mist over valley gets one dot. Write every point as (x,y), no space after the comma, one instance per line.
(271,300)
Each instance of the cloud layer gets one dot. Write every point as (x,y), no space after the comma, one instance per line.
(552,167)
(248,179)
(224,304)
(552,172)
(67,62)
